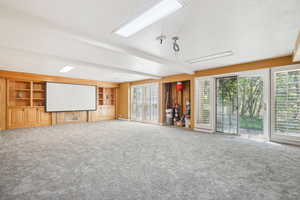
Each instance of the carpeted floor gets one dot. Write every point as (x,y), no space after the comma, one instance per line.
(119,160)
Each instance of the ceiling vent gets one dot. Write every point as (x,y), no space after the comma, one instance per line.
(210,57)
(296,53)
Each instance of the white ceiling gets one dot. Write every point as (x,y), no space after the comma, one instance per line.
(43,36)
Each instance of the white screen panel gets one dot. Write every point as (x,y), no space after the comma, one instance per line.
(70,97)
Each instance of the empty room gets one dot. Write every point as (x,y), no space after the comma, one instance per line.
(149,100)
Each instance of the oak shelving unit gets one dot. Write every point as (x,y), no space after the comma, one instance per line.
(100,96)
(106,108)
(23,101)
(38,90)
(106,96)
(19,94)
(26,104)
(110,96)
(26,93)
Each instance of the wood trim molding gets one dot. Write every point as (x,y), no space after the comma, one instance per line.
(61,79)
(144,81)
(261,64)
(177,77)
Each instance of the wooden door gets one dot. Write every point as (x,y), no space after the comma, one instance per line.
(16,118)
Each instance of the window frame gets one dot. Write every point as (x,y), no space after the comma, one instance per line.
(210,127)
(275,136)
(148,87)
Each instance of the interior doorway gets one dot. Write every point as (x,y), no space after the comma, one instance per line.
(177,104)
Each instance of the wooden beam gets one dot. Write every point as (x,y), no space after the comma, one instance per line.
(60,79)
(261,64)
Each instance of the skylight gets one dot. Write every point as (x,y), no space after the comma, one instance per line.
(159,11)
(66,69)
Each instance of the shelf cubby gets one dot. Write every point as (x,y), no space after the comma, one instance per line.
(26,93)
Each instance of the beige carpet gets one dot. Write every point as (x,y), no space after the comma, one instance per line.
(119,160)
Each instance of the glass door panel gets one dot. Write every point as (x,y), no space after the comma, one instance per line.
(147,106)
(144,106)
(227,104)
(251,105)
(154,103)
(139,102)
(134,103)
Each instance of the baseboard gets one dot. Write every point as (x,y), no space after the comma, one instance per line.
(203,130)
(123,119)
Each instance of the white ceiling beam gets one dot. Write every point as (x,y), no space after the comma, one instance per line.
(76,62)
(41,35)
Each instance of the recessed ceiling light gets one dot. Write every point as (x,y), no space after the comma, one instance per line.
(211,57)
(160,10)
(66,69)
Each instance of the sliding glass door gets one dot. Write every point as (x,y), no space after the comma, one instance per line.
(145,102)
(237,104)
(253,95)
(227,105)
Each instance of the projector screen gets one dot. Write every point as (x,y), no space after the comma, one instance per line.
(70,97)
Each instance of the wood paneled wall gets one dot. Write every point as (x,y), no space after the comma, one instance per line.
(29,115)
(123,99)
(261,64)
(2,103)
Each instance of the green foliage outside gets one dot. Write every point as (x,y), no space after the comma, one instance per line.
(251,123)
(245,97)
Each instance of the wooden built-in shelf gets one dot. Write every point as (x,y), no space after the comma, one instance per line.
(106,96)
(25,93)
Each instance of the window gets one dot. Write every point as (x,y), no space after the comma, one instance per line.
(145,103)
(204,103)
(287,102)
